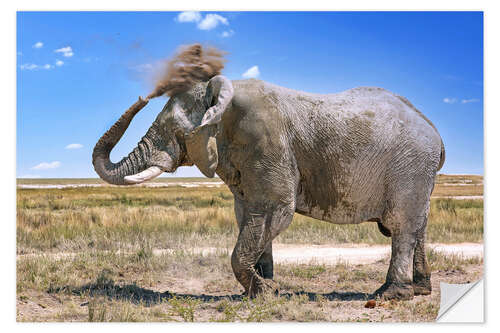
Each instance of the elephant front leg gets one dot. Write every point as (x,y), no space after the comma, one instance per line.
(249,248)
(264,266)
(253,250)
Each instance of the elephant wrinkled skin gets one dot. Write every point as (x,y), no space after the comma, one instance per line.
(364,154)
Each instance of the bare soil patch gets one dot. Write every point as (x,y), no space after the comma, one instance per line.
(184,286)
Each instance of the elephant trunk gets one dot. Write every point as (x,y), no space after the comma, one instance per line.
(135,167)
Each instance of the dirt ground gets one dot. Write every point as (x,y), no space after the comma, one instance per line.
(90,252)
(201,287)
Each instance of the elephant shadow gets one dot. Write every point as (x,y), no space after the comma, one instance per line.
(148,297)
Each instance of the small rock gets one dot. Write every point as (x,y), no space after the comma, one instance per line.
(370,304)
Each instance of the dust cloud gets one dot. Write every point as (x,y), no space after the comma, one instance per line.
(192,63)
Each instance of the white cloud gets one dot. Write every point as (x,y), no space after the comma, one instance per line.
(38,45)
(227,33)
(66,51)
(211,21)
(252,72)
(189,16)
(74,146)
(30,176)
(59,63)
(450,100)
(45,165)
(29,67)
(472,100)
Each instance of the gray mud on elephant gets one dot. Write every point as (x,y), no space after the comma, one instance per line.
(364,154)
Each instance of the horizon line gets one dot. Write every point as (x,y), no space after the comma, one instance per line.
(445,174)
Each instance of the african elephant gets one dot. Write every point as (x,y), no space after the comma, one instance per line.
(364,154)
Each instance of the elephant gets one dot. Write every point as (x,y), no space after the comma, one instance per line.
(364,154)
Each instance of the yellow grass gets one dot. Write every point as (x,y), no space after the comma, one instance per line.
(95,282)
(110,218)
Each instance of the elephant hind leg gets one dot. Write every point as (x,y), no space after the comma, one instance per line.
(398,284)
(405,215)
(408,271)
(421,270)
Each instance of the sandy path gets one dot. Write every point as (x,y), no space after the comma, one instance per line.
(360,255)
(461,197)
(321,254)
(61,186)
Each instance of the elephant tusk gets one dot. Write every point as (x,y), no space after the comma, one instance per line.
(143,176)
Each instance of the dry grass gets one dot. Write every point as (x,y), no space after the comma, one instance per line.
(458,185)
(100,286)
(113,273)
(113,218)
(455,221)
(446,185)
(457,191)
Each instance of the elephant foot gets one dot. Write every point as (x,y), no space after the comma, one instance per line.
(259,285)
(422,287)
(395,291)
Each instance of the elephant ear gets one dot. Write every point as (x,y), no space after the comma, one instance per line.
(201,143)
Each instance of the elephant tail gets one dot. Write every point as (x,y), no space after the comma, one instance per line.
(443,156)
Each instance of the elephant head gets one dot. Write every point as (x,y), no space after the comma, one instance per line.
(184,133)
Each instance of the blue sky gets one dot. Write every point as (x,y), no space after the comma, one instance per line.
(78,71)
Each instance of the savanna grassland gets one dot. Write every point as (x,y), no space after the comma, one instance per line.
(126,254)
